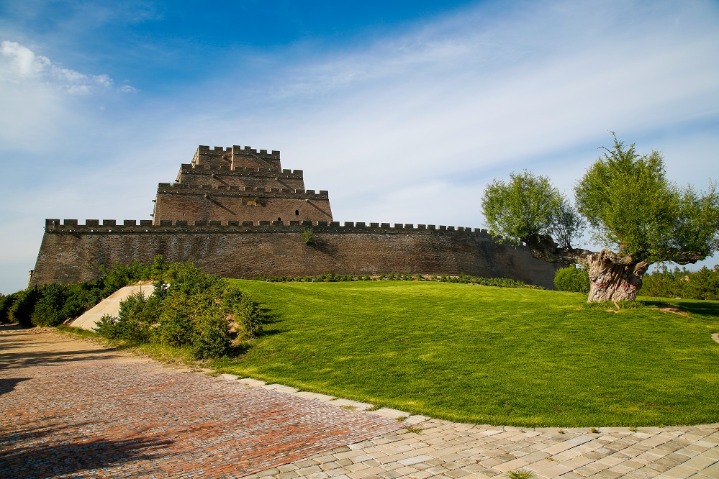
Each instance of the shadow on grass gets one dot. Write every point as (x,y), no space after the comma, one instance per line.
(33,454)
(698,307)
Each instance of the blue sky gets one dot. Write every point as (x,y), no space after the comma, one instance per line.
(403,110)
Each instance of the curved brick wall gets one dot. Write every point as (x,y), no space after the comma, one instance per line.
(72,252)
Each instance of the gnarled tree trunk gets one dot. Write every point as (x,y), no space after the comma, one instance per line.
(611,279)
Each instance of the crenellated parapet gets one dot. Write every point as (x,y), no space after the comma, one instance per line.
(215,226)
(236,157)
(180,188)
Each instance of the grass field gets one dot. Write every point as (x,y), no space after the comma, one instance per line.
(488,355)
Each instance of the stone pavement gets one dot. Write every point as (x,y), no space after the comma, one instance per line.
(71,409)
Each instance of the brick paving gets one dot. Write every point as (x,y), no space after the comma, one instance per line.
(68,408)
(71,409)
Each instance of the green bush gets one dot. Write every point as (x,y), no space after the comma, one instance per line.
(211,336)
(21,309)
(704,284)
(48,311)
(573,279)
(680,283)
(5,302)
(244,314)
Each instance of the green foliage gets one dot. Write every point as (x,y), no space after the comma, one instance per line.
(5,302)
(635,210)
(21,309)
(211,336)
(520,474)
(460,278)
(48,310)
(189,309)
(136,318)
(308,236)
(680,283)
(525,206)
(573,279)
(121,275)
(244,313)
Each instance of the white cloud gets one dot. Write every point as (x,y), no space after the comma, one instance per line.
(20,64)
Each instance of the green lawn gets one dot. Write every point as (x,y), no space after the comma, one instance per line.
(488,355)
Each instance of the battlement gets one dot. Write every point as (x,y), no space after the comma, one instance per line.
(194,168)
(240,191)
(237,150)
(145,226)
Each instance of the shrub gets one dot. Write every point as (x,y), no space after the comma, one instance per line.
(48,310)
(703,284)
(5,302)
(21,310)
(244,314)
(573,279)
(135,321)
(211,336)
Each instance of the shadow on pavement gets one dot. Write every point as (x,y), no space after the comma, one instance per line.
(45,460)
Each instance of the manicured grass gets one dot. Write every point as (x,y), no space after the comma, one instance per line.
(488,355)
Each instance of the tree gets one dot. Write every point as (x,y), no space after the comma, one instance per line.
(636,214)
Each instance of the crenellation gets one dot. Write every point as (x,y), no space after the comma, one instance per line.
(92,222)
(109,222)
(129,222)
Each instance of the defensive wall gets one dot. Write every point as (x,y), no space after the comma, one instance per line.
(72,252)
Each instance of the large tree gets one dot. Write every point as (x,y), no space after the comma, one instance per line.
(634,212)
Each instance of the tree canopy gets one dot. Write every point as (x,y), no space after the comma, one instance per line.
(634,212)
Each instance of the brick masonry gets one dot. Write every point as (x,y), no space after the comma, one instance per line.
(71,252)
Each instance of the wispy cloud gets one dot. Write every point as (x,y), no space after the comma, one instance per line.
(20,64)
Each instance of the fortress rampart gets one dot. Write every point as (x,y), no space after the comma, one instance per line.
(74,252)
(236,213)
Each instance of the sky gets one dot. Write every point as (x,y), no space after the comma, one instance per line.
(404,110)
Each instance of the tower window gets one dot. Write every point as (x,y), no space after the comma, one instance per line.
(297,212)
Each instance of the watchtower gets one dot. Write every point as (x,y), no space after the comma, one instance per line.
(237,184)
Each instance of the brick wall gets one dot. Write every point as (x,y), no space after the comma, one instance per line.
(71,253)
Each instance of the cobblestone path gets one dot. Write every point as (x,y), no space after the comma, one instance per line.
(71,409)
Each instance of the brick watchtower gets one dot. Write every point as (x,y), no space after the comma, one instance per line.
(239,184)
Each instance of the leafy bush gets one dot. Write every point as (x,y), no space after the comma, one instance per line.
(244,314)
(211,336)
(48,310)
(680,283)
(5,302)
(135,320)
(189,308)
(21,309)
(573,279)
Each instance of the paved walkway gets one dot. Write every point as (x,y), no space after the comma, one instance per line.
(70,409)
